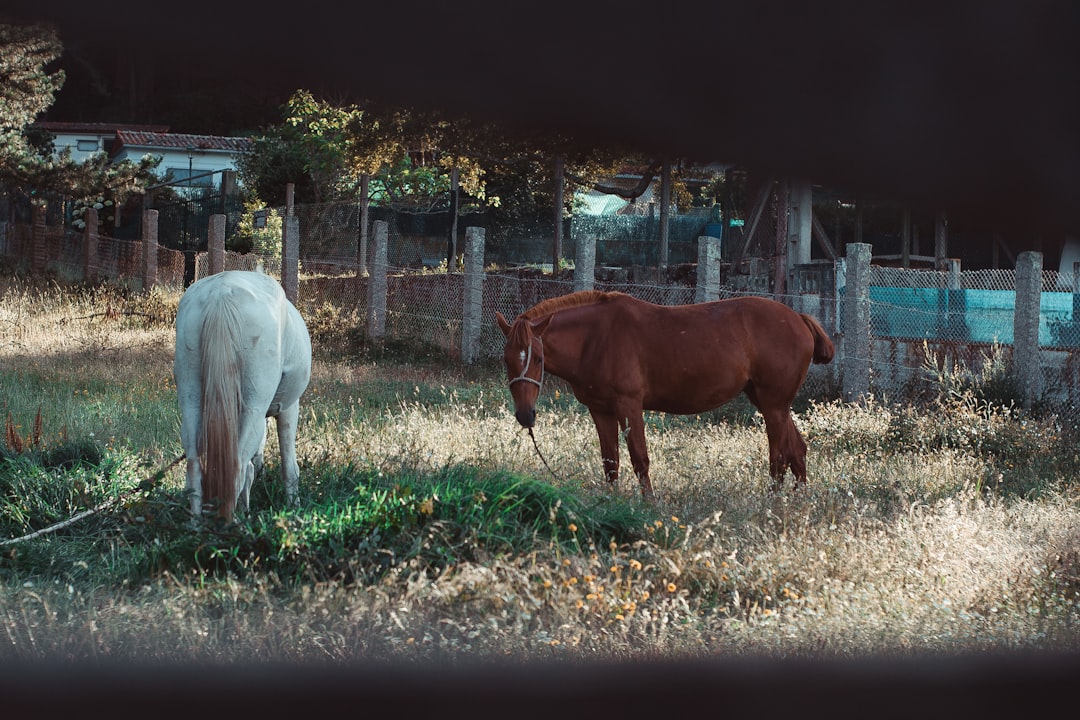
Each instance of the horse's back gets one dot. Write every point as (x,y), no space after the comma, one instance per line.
(272,339)
(773,333)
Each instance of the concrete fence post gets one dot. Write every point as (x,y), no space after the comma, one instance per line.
(474,294)
(708,269)
(149,234)
(1076,293)
(290,256)
(216,244)
(376,300)
(1026,360)
(585,263)
(90,246)
(1074,336)
(856,322)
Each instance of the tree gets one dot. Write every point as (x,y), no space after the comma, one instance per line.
(28,165)
(418,160)
(26,87)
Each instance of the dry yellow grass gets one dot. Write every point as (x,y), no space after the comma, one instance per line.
(886,551)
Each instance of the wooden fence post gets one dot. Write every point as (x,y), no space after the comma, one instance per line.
(376,301)
(1026,360)
(856,322)
(474,294)
(150,248)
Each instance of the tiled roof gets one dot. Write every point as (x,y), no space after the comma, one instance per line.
(180,141)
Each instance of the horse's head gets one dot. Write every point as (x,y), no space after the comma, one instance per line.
(524,359)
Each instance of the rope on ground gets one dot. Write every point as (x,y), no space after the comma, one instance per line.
(143,486)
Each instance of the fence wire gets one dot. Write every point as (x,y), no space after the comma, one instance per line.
(917,316)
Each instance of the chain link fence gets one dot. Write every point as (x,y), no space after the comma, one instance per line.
(914,315)
(970,307)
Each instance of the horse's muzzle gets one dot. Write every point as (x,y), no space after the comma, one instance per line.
(526,417)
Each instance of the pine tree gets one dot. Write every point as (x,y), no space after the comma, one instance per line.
(28,163)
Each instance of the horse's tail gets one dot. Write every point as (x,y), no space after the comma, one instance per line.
(823,346)
(220,411)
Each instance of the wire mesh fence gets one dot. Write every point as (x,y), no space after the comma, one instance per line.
(913,313)
(968,307)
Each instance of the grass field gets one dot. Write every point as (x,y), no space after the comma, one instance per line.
(428,528)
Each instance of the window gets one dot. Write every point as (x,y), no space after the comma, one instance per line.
(86,145)
(179,177)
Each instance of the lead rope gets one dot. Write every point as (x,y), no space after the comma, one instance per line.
(539,384)
(542,459)
(145,485)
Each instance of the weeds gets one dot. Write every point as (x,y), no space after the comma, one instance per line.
(428,528)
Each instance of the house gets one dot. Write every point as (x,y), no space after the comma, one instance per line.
(85,139)
(186,160)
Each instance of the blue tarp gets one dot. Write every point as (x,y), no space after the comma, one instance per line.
(980,316)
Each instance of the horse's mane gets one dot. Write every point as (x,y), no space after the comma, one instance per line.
(577,299)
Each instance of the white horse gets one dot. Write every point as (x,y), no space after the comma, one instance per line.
(243,354)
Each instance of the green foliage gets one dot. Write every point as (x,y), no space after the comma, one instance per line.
(41,487)
(264,239)
(326,150)
(28,165)
(27,88)
(359,526)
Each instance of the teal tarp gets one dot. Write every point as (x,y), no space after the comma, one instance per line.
(980,316)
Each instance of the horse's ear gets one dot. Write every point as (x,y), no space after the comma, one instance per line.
(540,326)
(503,325)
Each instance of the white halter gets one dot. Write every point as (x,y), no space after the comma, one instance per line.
(528,360)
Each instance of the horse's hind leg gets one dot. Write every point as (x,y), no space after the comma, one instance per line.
(787,449)
(260,455)
(250,448)
(286,422)
(189,425)
(794,448)
(778,425)
(639,451)
(194,487)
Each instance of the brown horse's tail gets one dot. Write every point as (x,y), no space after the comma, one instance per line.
(823,346)
(220,413)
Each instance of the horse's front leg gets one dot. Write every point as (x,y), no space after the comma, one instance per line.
(286,422)
(607,428)
(634,425)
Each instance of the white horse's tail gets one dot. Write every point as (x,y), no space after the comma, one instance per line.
(220,412)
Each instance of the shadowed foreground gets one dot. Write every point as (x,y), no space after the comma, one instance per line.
(973,686)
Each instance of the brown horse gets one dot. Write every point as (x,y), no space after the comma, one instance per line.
(622,356)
